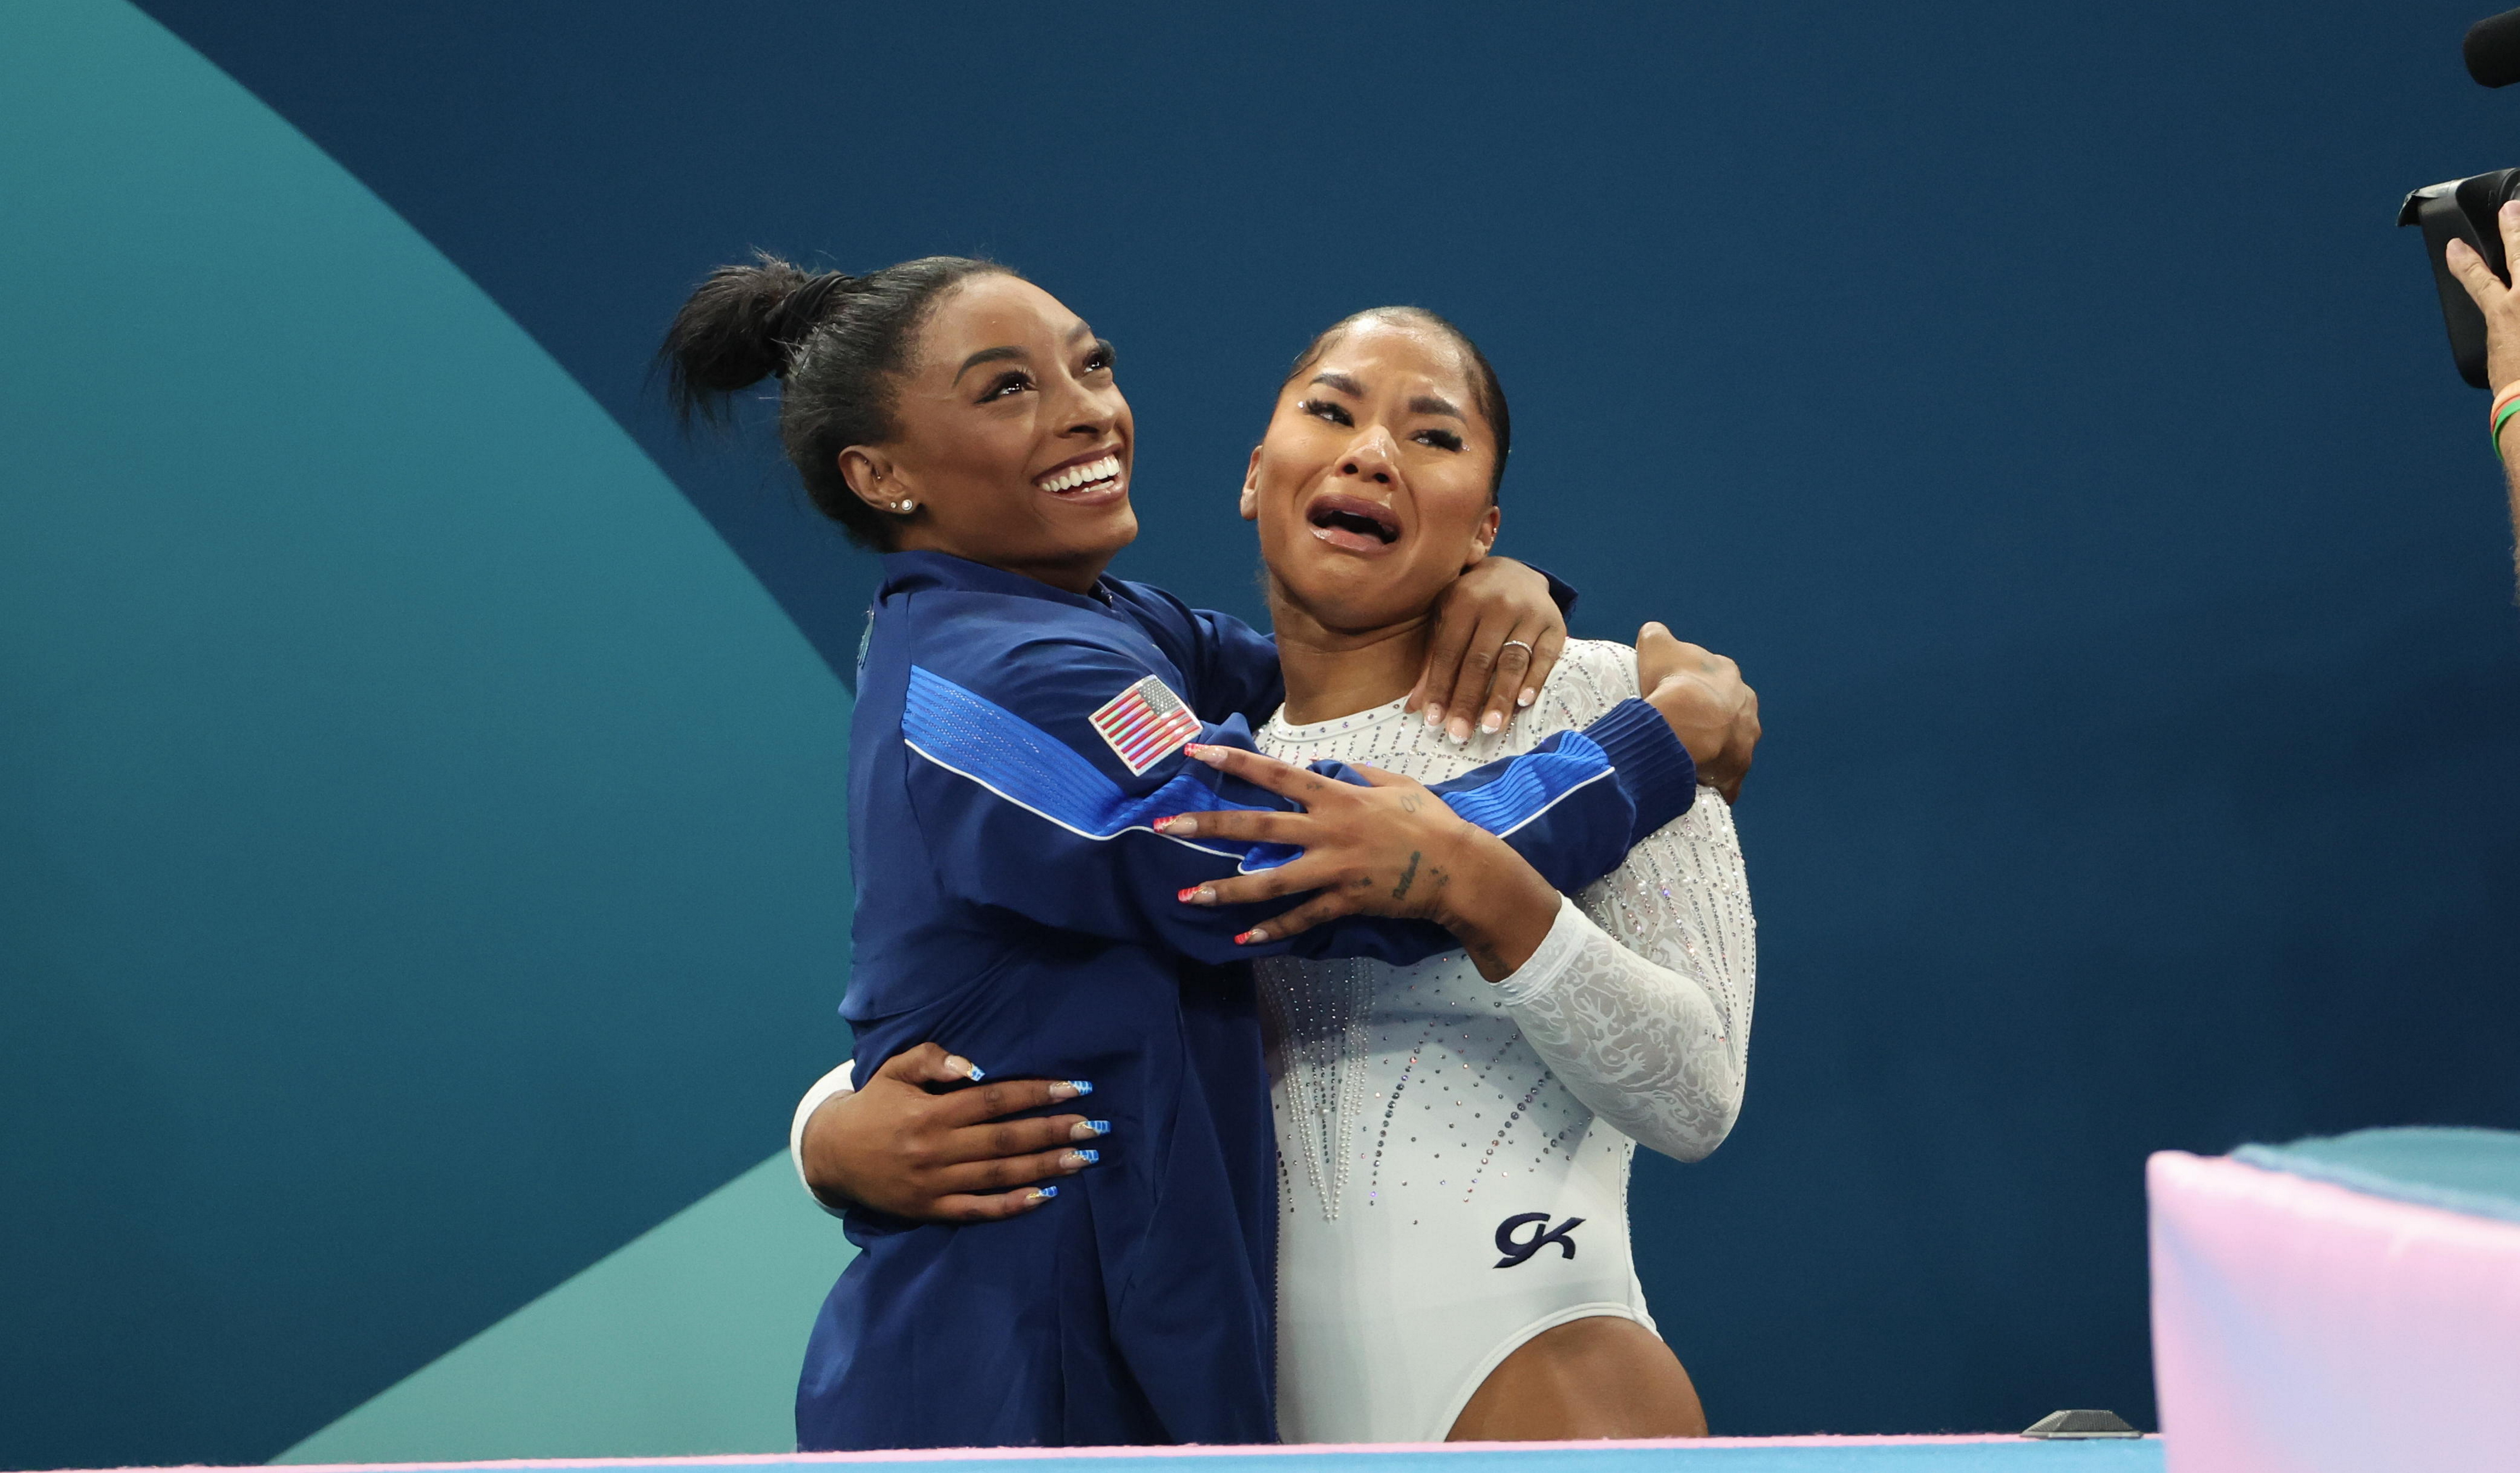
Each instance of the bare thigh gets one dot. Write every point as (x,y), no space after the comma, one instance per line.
(1582,1380)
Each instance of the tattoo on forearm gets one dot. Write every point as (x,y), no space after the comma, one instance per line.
(1408,878)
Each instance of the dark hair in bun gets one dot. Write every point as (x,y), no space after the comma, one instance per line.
(1484,386)
(837,343)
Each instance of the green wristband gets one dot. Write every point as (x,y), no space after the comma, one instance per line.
(2500,419)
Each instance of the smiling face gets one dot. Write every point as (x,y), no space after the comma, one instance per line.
(1013,439)
(1374,485)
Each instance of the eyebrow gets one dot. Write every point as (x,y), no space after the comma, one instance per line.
(988,355)
(1422,404)
(1001,355)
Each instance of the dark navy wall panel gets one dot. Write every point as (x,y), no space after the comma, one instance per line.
(2039,402)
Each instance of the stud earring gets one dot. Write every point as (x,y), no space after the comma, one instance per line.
(905,506)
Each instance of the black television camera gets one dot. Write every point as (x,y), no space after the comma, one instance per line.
(2466,210)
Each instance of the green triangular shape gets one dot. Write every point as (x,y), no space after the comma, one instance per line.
(686,1340)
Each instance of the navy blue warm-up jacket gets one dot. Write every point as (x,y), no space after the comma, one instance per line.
(1012,745)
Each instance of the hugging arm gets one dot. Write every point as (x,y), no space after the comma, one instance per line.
(1499,629)
(1640,999)
(945,1157)
(1651,1035)
(1027,806)
(905,1145)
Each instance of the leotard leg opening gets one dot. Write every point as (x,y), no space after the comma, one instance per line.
(1442,1430)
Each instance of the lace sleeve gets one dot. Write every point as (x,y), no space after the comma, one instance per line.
(1640,999)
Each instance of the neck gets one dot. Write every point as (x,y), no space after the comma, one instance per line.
(1333,673)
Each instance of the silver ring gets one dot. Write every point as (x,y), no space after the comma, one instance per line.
(1526,647)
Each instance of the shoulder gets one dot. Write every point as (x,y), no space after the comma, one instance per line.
(1162,617)
(1020,650)
(1059,700)
(1591,677)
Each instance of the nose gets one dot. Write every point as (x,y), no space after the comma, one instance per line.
(1371,457)
(1090,410)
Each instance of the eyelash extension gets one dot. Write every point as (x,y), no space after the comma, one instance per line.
(1004,382)
(1336,414)
(1104,356)
(1443,438)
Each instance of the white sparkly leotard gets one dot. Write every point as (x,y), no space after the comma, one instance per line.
(1453,1154)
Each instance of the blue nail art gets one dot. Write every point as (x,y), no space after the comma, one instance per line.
(978,1074)
(1100,1126)
(1047,1191)
(1091,1157)
(1081,1087)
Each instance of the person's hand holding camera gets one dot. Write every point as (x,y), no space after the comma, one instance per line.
(2500,303)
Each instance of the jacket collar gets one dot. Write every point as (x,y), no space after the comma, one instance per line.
(908,572)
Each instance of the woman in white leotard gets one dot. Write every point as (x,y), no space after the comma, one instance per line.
(1455,1137)
(1454,1149)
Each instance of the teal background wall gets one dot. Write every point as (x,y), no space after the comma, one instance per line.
(684,1340)
(420,820)
(422,861)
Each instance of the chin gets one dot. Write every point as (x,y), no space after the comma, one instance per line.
(1106,534)
(1352,594)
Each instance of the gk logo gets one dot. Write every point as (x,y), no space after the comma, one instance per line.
(1517,1251)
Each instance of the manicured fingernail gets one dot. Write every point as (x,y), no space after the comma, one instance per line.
(1089,1129)
(1199,895)
(1491,722)
(1213,756)
(1179,825)
(1074,1159)
(956,1063)
(1434,713)
(1068,1088)
(1526,697)
(1457,730)
(1252,937)
(1042,1193)
(978,1074)
(1160,825)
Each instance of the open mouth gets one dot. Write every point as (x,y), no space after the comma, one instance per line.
(1083,478)
(1353,522)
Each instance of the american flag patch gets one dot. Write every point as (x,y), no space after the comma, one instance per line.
(1146,724)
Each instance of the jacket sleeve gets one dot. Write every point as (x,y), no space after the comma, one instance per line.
(1030,806)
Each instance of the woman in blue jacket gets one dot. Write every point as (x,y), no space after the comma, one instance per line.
(1024,725)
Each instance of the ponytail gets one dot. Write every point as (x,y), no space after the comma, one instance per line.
(837,343)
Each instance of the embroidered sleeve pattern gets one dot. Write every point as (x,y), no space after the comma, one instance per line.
(1640,999)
